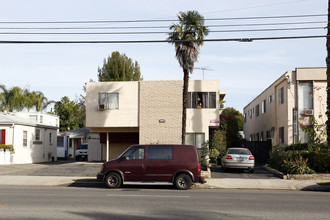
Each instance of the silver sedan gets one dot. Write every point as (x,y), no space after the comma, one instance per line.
(238,158)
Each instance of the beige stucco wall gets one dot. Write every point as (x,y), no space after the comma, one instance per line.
(160,100)
(125,116)
(281,115)
(198,120)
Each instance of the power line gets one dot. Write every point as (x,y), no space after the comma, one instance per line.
(149,32)
(163,41)
(160,20)
(158,27)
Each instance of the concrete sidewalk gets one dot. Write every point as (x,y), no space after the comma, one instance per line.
(212,183)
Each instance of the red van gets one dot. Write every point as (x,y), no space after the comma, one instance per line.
(177,164)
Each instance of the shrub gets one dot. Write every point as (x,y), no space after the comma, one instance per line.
(297,166)
(277,157)
(319,161)
(7,147)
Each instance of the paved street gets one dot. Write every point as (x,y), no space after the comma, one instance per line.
(24,202)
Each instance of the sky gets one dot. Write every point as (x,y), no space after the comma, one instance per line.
(244,69)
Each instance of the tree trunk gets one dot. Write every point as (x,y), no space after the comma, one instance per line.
(328,79)
(185,103)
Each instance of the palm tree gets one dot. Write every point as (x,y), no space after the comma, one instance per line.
(187,36)
(12,99)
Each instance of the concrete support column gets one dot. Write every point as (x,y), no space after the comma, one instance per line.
(108,147)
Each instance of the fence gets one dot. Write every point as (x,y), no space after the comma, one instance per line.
(260,150)
(4,157)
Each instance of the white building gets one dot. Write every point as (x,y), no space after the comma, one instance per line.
(33,136)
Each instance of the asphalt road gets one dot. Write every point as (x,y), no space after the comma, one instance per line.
(161,203)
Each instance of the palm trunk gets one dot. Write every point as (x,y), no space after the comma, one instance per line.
(328,79)
(185,103)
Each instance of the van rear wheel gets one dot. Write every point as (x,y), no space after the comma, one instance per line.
(113,180)
(183,181)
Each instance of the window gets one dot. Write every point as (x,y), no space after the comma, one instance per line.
(281,135)
(257,137)
(212,100)
(263,107)
(33,118)
(37,134)
(271,98)
(108,101)
(262,136)
(50,138)
(257,110)
(196,139)
(160,152)
(267,135)
(41,119)
(244,117)
(60,141)
(202,100)
(135,153)
(281,95)
(24,138)
(305,96)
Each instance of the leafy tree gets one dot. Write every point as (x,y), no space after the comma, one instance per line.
(12,99)
(118,67)
(231,121)
(187,37)
(219,141)
(16,99)
(72,114)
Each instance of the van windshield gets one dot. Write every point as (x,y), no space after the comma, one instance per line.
(83,146)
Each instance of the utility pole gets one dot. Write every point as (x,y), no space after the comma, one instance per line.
(205,68)
(328,78)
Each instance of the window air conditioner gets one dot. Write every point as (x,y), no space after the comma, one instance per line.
(308,112)
(102,107)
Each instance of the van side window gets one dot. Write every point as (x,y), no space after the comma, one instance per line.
(160,152)
(135,153)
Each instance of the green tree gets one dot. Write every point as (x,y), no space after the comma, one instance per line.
(231,121)
(72,114)
(118,67)
(187,37)
(219,141)
(12,99)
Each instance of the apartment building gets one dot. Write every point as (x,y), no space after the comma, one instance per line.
(279,112)
(146,112)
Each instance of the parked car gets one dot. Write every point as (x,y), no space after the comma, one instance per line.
(177,164)
(82,152)
(238,158)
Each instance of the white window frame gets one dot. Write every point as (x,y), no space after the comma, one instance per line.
(38,135)
(109,101)
(24,138)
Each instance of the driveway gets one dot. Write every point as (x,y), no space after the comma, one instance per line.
(57,168)
(259,173)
